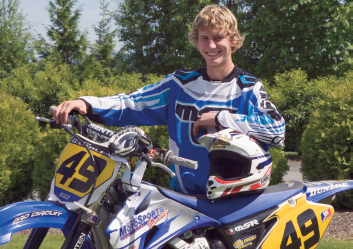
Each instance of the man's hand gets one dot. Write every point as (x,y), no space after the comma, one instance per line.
(61,112)
(205,120)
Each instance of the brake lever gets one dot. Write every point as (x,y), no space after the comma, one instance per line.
(169,171)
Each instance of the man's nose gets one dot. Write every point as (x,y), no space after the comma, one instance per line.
(211,43)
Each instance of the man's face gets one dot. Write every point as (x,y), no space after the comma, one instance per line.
(215,47)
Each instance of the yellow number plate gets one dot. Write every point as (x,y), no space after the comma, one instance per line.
(300,226)
(75,172)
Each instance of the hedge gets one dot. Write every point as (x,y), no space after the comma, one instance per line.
(327,142)
(18,136)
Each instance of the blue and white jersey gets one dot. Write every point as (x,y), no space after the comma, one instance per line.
(178,101)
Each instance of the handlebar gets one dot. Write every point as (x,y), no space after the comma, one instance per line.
(106,134)
(171,158)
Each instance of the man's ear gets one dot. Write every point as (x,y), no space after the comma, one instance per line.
(233,43)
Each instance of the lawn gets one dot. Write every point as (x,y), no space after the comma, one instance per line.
(54,241)
(51,241)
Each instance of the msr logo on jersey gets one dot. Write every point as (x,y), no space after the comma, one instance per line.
(242,227)
(190,113)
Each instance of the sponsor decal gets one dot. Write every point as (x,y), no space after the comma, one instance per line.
(244,242)
(136,223)
(218,145)
(20,218)
(220,141)
(327,188)
(326,214)
(242,227)
(92,147)
(152,222)
(265,179)
(100,131)
(36,214)
(102,200)
(64,196)
(80,241)
(202,245)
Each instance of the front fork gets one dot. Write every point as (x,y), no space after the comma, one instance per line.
(36,238)
(77,235)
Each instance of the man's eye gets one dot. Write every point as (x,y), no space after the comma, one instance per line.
(203,38)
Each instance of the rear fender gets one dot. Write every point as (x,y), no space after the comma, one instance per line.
(317,191)
(33,214)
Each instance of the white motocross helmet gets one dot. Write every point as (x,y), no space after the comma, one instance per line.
(238,163)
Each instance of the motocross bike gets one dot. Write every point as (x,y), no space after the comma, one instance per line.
(98,205)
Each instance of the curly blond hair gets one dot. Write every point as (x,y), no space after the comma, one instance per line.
(215,16)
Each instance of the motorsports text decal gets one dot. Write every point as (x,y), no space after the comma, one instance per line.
(36,214)
(150,218)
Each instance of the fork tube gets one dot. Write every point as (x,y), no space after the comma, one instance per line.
(36,238)
(78,236)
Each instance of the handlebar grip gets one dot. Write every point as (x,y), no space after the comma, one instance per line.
(51,109)
(182,161)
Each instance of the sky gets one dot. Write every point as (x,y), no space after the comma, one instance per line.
(37,14)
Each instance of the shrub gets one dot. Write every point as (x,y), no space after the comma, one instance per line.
(18,137)
(48,150)
(279,165)
(294,95)
(41,89)
(327,141)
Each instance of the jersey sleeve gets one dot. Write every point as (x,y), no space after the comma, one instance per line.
(145,106)
(260,119)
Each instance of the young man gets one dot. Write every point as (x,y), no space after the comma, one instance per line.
(194,102)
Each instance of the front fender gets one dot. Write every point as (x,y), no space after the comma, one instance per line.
(32,214)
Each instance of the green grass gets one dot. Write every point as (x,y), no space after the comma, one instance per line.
(335,244)
(51,241)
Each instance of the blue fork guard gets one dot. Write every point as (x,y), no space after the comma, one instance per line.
(33,214)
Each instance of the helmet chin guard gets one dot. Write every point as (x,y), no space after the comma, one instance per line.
(238,163)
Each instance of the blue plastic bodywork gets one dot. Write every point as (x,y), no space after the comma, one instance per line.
(230,210)
(317,191)
(33,214)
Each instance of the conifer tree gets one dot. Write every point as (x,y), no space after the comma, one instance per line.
(104,46)
(155,35)
(15,37)
(64,32)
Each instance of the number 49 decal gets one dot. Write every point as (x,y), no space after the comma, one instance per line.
(307,222)
(297,227)
(76,174)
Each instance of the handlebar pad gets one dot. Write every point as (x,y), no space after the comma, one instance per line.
(182,161)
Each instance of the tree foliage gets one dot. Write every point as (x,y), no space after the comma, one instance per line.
(313,35)
(41,88)
(294,96)
(18,138)
(327,141)
(15,46)
(155,35)
(105,44)
(67,39)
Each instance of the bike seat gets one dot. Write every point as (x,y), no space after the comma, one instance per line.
(229,210)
